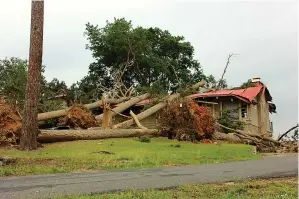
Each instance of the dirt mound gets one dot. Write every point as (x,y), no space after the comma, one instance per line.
(79,116)
(10,124)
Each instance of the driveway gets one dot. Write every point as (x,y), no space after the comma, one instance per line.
(48,186)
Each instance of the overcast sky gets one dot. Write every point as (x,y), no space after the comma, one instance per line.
(265,34)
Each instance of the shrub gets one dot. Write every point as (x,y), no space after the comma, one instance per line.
(144,139)
(226,119)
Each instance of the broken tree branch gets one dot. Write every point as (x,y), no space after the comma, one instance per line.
(227,63)
(125,105)
(136,120)
(288,131)
(247,134)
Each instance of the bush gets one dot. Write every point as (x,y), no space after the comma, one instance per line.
(144,139)
(176,146)
(226,119)
(186,120)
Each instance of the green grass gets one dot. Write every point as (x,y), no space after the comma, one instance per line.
(128,153)
(266,189)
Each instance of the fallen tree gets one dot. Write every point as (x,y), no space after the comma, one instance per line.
(63,112)
(287,132)
(157,107)
(124,106)
(48,136)
(227,137)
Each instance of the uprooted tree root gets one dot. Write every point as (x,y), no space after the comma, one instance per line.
(186,120)
(10,125)
(79,116)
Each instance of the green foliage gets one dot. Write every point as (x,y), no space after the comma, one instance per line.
(154,55)
(144,139)
(245,85)
(212,83)
(295,135)
(13,80)
(227,119)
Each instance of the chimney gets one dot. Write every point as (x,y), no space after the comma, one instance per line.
(256,81)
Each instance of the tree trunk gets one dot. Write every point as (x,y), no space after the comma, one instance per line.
(156,108)
(30,127)
(231,138)
(63,112)
(48,136)
(125,105)
(106,118)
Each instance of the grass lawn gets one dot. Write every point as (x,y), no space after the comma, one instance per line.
(266,189)
(81,156)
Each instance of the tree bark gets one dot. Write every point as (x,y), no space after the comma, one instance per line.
(30,127)
(156,108)
(125,105)
(106,117)
(48,136)
(63,112)
(231,138)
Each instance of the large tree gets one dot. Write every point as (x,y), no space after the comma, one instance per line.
(28,139)
(148,55)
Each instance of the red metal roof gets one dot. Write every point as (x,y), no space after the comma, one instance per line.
(247,94)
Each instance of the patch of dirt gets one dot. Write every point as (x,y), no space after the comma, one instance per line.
(79,117)
(39,161)
(10,125)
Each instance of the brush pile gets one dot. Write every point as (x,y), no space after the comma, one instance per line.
(186,120)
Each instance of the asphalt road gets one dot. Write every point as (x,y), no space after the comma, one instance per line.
(48,186)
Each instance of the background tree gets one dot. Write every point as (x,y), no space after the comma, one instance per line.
(212,83)
(13,79)
(154,55)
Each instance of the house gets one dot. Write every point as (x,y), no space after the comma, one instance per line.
(251,105)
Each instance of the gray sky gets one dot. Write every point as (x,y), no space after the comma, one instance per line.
(265,34)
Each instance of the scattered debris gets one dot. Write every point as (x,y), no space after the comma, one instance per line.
(176,146)
(104,152)
(5,160)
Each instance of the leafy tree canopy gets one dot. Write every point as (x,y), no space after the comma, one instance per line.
(150,55)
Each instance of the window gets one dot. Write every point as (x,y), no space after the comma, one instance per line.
(244,110)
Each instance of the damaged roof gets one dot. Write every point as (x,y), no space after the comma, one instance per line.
(247,95)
